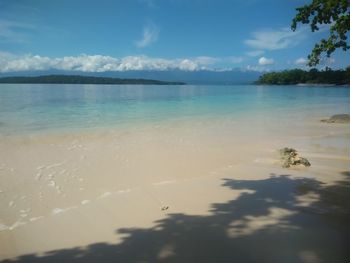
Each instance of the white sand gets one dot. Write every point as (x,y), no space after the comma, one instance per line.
(68,190)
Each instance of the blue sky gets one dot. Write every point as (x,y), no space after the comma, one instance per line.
(108,35)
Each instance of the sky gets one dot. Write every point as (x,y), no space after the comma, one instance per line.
(106,35)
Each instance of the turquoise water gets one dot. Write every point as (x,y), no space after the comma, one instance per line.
(32,108)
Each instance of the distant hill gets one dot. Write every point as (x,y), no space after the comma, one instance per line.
(207,77)
(77,79)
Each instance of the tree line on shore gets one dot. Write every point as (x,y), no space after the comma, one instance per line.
(313,76)
(76,79)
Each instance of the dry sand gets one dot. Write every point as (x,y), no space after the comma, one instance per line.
(68,190)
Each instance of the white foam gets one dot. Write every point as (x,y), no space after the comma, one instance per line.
(53,165)
(105,195)
(17,224)
(11,203)
(164,182)
(123,191)
(38,175)
(3,227)
(84,202)
(52,183)
(61,210)
(57,211)
(35,218)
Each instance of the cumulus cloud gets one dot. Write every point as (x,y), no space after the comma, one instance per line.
(149,36)
(206,60)
(266,61)
(99,63)
(300,61)
(275,39)
(256,68)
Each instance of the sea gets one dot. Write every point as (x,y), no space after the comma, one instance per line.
(42,108)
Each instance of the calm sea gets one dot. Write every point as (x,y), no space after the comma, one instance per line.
(39,108)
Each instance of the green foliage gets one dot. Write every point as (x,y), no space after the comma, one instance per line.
(72,79)
(296,76)
(334,12)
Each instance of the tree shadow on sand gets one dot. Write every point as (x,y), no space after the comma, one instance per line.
(269,222)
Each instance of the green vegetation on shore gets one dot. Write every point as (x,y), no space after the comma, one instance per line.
(76,79)
(335,13)
(313,76)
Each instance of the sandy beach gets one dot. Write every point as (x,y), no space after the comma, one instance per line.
(178,191)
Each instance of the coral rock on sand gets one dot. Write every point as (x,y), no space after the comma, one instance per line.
(291,157)
(338,118)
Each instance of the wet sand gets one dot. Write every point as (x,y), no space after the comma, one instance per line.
(63,194)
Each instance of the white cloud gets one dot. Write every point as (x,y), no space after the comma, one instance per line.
(255,53)
(205,60)
(301,61)
(266,61)
(99,63)
(256,68)
(149,36)
(275,39)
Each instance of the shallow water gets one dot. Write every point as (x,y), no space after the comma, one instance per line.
(41,108)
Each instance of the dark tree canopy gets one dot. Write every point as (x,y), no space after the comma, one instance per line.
(313,76)
(334,12)
(76,79)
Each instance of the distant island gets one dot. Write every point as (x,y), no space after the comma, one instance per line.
(313,76)
(76,79)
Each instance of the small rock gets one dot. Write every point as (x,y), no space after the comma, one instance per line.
(304,162)
(291,157)
(165,207)
(338,118)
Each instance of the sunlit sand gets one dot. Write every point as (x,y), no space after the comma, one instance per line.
(67,190)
